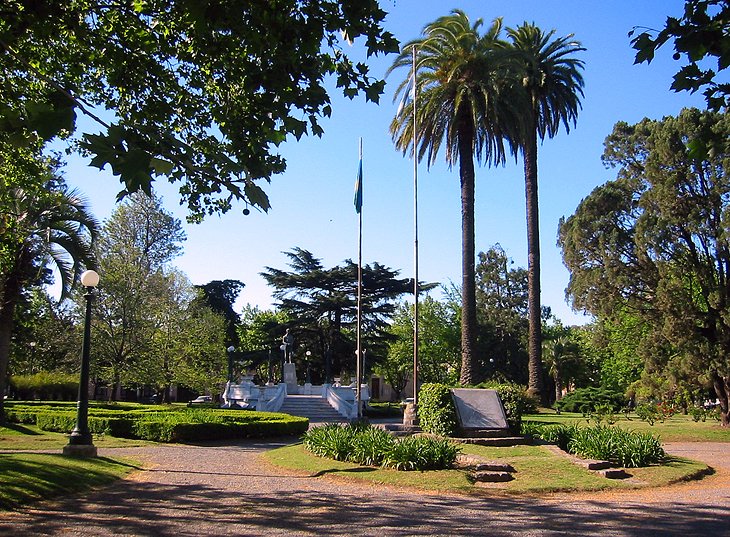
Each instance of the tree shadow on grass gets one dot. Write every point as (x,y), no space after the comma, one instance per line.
(167,510)
(19,428)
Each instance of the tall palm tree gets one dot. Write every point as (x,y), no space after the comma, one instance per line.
(51,226)
(552,90)
(559,352)
(463,77)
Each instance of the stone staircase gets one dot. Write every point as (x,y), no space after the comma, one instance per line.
(314,407)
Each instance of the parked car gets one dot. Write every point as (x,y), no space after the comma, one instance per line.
(201,399)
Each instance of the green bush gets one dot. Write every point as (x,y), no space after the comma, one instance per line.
(648,412)
(371,446)
(619,446)
(586,400)
(559,434)
(421,453)
(159,423)
(515,400)
(45,385)
(436,410)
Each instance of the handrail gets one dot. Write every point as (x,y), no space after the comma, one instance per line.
(339,403)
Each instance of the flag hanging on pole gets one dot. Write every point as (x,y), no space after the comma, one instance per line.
(358,187)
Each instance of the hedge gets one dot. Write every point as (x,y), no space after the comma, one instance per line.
(436,410)
(159,423)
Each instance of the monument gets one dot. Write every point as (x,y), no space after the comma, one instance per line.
(479,410)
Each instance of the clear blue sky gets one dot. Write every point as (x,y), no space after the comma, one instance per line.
(312,202)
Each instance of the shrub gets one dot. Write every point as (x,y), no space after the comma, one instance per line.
(45,385)
(367,445)
(626,448)
(515,400)
(585,400)
(436,410)
(371,446)
(421,453)
(648,412)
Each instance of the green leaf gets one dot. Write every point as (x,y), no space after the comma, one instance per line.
(257,196)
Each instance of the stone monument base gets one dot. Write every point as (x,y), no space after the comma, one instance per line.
(82,451)
(290,378)
(410,416)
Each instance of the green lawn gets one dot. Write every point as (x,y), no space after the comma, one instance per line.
(538,470)
(28,477)
(15,436)
(678,428)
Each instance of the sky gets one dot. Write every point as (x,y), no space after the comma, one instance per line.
(312,202)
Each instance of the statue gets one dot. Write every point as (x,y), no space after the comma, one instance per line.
(287,345)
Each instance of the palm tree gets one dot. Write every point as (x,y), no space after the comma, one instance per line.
(51,226)
(463,77)
(559,352)
(552,85)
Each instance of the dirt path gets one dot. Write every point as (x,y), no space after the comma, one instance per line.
(201,491)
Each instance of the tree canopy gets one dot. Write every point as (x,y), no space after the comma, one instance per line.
(653,243)
(198,92)
(702,32)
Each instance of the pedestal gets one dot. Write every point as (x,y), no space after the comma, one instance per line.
(410,417)
(82,450)
(290,378)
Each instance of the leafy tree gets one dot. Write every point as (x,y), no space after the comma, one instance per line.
(48,226)
(260,333)
(561,355)
(186,340)
(220,295)
(134,249)
(46,336)
(439,341)
(701,33)
(463,79)
(199,93)
(502,305)
(553,86)
(322,306)
(654,242)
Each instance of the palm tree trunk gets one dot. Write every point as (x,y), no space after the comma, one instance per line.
(535,386)
(468,277)
(9,296)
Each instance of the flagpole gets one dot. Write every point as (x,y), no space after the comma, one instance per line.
(358,351)
(415,240)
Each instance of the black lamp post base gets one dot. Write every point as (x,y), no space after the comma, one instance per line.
(80,450)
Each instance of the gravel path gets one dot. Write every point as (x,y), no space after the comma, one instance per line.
(226,490)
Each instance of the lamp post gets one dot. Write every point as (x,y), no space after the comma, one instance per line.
(230,350)
(309,357)
(80,442)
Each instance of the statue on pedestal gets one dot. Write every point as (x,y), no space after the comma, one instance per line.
(288,346)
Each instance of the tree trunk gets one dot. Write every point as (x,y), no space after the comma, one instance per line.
(468,281)
(10,294)
(722,390)
(534,347)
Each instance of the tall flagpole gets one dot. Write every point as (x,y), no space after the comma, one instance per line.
(358,351)
(415,239)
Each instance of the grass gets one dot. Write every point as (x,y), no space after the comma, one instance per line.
(29,477)
(678,428)
(538,470)
(30,438)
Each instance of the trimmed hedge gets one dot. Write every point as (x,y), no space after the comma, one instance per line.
(159,423)
(436,410)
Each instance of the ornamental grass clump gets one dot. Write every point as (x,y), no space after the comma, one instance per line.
(625,448)
(371,446)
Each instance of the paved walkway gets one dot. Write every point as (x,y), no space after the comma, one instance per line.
(226,490)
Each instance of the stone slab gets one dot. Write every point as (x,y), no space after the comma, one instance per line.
(479,409)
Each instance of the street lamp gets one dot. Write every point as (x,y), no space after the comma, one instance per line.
(80,442)
(309,357)
(230,350)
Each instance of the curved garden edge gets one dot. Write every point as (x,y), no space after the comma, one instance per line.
(539,472)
